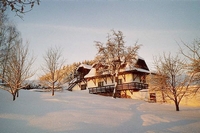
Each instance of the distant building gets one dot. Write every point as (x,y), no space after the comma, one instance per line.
(131,81)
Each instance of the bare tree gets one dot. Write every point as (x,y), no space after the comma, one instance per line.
(17,68)
(173,77)
(8,35)
(192,54)
(114,55)
(53,68)
(18,6)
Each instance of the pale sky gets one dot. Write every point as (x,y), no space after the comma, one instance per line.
(74,25)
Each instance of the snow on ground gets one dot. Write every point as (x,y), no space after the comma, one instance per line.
(80,112)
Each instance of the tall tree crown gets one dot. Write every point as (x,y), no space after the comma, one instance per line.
(114,54)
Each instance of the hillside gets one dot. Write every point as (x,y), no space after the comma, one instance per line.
(81,112)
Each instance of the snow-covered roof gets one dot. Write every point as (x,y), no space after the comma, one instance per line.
(128,68)
(139,57)
(142,70)
(85,66)
(92,73)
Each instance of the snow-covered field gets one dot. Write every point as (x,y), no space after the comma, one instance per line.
(80,112)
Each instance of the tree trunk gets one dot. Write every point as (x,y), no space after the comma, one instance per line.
(2,77)
(177,105)
(163,97)
(115,87)
(17,92)
(13,96)
(53,90)
(114,92)
(14,93)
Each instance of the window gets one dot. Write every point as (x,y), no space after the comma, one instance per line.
(83,87)
(119,81)
(100,84)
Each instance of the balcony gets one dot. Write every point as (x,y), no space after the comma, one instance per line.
(120,87)
(132,86)
(102,89)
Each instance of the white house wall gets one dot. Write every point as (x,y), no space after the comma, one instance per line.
(76,87)
(90,83)
(128,78)
(142,94)
(109,81)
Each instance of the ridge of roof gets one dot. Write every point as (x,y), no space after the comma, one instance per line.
(84,66)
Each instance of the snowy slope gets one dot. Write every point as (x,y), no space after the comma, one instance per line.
(80,112)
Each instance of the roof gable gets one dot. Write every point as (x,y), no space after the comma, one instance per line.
(140,66)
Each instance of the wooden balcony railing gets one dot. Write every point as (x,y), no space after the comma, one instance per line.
(125,86)
(102,89)
(132,86)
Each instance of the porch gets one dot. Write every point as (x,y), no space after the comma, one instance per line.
(135,86)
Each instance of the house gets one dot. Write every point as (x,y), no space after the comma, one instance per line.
(131,80)
(79,82)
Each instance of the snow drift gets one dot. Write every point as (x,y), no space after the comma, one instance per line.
(79,111)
